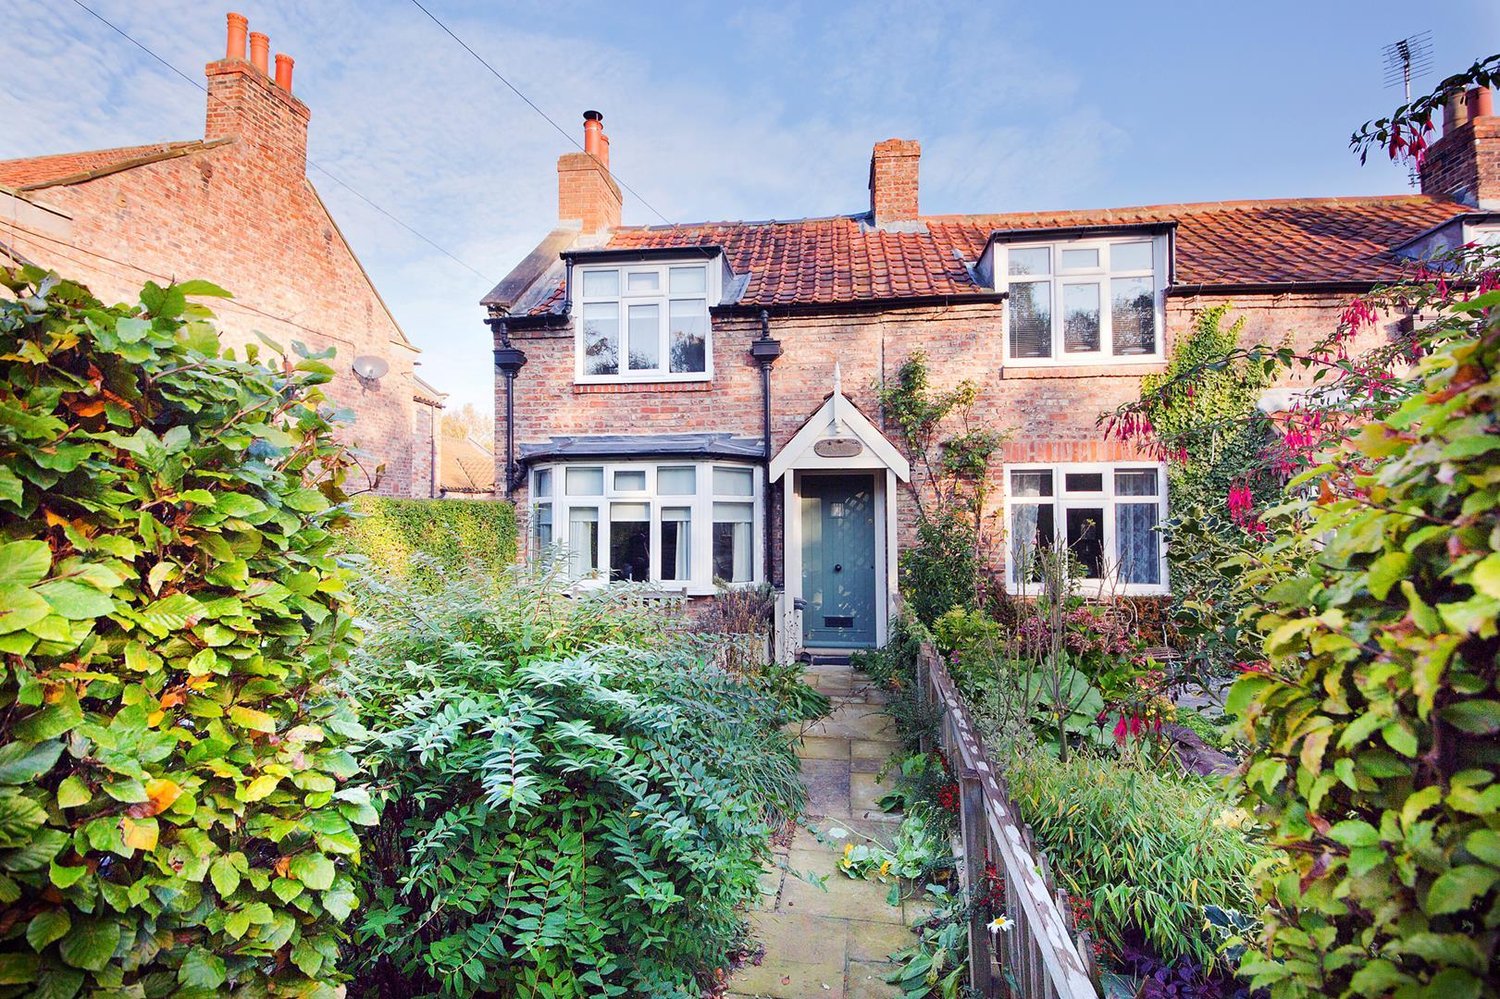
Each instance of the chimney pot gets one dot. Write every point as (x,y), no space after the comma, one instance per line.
(234,47)
(260,52)
(594,141)
(284,71)
(1480,103)
(1455,111)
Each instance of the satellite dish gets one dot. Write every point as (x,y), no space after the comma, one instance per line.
(371,368)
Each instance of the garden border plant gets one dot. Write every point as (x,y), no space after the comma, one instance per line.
(177,810)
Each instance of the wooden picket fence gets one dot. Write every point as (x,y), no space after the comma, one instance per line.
(1042,954)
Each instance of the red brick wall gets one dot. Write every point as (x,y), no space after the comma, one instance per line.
(893,180)
(586,193)
(244,216)
(1050,413)
(1465,163)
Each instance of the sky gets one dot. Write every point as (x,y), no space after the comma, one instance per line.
(739,111)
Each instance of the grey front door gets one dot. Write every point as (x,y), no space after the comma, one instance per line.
(838,560)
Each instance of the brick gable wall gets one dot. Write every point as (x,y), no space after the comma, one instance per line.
(243,215)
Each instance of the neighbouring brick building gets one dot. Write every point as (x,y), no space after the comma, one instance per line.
(691,403)
(236,208)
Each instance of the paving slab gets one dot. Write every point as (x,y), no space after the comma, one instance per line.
(814,747)
(867,981)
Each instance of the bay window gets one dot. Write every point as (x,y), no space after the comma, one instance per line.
(1107,515)
(678,524)
(644,322)
(1084,300)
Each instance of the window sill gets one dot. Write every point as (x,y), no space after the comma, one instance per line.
(623,388)
(1118,368)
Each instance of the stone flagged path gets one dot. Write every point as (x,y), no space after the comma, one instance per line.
(834,943)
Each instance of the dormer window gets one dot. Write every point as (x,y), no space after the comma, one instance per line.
(1083,301)
(644,322)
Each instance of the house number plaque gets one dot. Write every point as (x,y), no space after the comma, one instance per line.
(838,447)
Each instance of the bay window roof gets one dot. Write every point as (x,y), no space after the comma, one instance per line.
(621,447)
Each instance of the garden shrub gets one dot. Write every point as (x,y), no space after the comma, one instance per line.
(452,534)
(575,801)
(1148,848)
(176,810)
(1376,717)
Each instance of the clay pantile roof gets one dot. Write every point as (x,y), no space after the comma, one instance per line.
(1226,244)
(35,172)
(466,466)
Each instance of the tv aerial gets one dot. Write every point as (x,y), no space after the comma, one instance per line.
(1405,61)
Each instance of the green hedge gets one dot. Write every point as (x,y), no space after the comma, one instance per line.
(457,533)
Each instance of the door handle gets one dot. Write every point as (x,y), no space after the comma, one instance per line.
(838,567)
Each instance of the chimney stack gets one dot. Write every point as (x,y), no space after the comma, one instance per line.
(259,113)
(893,181)
(586,193)
(1464,164)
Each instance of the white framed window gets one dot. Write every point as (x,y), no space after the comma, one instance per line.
(1107,514)
(644,322)
(1083,301)
(680,525)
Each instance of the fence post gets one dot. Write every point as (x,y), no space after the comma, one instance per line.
(975,829)
(924,697)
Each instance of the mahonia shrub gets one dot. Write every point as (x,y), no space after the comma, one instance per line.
(177,815)
(574,800)
(1377,713)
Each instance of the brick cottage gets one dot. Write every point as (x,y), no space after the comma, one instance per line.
(236,208)
(691,403)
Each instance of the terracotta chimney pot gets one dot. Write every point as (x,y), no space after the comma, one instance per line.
(260,51)
(1455,111)
(594,142)
(284,71)
(1481,103)
(235,44)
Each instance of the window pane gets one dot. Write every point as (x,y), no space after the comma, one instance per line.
(688,280)
(677,481)
(601,284)
(583,540)
(1037,483)
(1080,318)
(541,528)
(732,539)
(1085,538)
(601,339)
(630,480)
(585,481)
(689,335)
(1030,260)
(1084,482)
(630,542)
(1136,482)
(1030,310)
(544,482)
(676,543)
(644,349)
(1140,551)
(734,482)
(639,281)
(1078,260)
(1130,257)
(1133,315)
(1032,530)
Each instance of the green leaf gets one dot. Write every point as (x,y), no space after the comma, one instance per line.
(202,969)
(75,601)
(1386,571)
(73,792)
(20,608)
(1457,889)
(256,721)
(1352,832)
(312,869)
(23,563)
(90,944)
(1485,576)
(205,289)
(45,927)
(1485,844)
(50,722)
(18,968)
(224,876)
(1475,717)
(22,763)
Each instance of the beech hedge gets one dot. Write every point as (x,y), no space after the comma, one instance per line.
(452,535)
(177,813)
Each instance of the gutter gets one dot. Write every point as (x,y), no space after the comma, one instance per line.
(1271,287)
(860,305)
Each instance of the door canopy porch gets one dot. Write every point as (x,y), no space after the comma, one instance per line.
(838,437)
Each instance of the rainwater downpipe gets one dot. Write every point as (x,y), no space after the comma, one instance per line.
(508,361)
(765,350)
